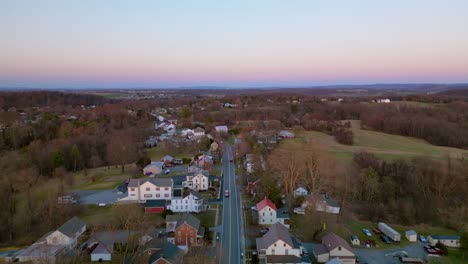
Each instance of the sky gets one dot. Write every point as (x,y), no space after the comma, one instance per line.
(261,43)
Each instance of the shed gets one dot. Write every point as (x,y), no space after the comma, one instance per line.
(411,235)
(155,206)
(448,240)
(355,240)
(101,253)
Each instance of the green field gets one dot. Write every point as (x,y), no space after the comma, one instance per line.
(156,153)
(102,178)
(385,146)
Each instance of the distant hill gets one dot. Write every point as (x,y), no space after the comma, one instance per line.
(463,92)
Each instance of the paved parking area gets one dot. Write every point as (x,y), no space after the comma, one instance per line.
(381,256)
(97,197)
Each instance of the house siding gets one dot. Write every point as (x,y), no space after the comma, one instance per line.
(267,216)
(183,237)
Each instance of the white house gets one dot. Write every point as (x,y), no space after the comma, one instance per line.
(190,202)
(449,241)
(221,129)
(300,191)
(198,181)
(153,168)
(68,233)
(266,212)
(383,101)
(323,203)
(278,246)
(198,132)
(102,253)
(149,189)
(334,247)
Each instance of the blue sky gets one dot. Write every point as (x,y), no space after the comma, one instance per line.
(126,44)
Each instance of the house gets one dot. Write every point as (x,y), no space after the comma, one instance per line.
(383,101)
(184,230)
(285,134)
(152,141)
(68,233)
(190,201)
(54,243)
(323,203)
(278,246)
(163,252)
(205,161)
(153,168)
(333,247)
(229,105)
(194,168)
(448,240)
(355,240)
(198,181)
(268,214)
(155,206)
(168,159)
(221,129)
(102,253)
(149,189)
(300,191)
(198,132)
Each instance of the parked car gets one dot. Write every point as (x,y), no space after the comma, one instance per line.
(167,171)
(226,193)
(377,231)
(253,208)
(264,230)
(299,210)
(367,232)
(385,239)
(422,239)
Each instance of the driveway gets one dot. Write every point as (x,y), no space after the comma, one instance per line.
(97,197)
(378,256)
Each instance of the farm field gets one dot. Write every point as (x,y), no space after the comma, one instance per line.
(384,146)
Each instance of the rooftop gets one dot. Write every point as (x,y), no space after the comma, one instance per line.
(71,227)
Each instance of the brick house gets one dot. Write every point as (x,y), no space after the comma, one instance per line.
(184,230)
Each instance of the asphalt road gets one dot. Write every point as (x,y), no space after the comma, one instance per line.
(230,246)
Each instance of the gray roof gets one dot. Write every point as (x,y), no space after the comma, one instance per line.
(332,241)
(203,172)
(198,129)
(182,218)
(168,158)
(194,193)
(71,227)
(160,182)
(277,232)
(445,237)
(165,250)
(102,249)
(320,249)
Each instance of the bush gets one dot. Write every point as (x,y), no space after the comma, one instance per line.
(442,247)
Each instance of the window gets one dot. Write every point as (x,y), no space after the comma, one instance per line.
(273,251)
(286,252)
(132,189)
(132,194)
(166,195)
(157,188)
(157,195)
(148,195)
(191,233)
(274,245)
(271,214)
(179,239)
(191,240)
(148,189)
(166,189)
(178,232)
(263,213)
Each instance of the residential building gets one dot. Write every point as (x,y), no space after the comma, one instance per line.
(194,168)
(102,253)
(323,203)
(198,132)
(268,214)
(300,191)
(334,247)
(168,159)
(278,246)
(163,252)
(153,168)
(184,230)
(286,134)
(198,181)
(149,189)
(191,201)
(205,161)
(222,129)
(448,240)
(67,234)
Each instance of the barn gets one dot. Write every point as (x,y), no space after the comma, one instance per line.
(155,206)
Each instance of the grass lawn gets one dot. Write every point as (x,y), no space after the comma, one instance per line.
(101,178)
(97,215)
(156,153)
(356,228)
(385,146)
(207,218)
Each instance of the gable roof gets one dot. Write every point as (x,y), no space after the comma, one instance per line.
(167,158)
(180,219)
(71,227)
(332,241)
(445,237)
(157,164)
(102,249)
(277,232)
(194,193)
(165,250)
(195,173)
(264,203)
(160,182)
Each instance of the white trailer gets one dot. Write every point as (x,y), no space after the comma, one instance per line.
(390,232)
